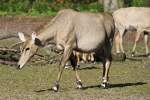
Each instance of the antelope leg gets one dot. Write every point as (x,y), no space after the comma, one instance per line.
(65,57)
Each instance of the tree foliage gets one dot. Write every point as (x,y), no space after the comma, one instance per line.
(137,3)
(36,7)
(48,7)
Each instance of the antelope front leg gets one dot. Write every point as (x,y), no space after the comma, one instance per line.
(117,41)
(146,43)
(121,33)
(65,57)
(135,42)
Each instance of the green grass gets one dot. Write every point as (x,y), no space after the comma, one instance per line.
(130,78)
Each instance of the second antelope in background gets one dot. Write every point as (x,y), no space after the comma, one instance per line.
(133,19)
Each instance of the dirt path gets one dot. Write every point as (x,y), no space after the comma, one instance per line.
(21,24)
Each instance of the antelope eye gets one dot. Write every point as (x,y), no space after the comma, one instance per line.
(27,49)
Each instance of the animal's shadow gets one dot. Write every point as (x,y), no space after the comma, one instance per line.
(88,68)
(134,59)
(116,85)
(127,84)
(98,86)
(142,55)
(43,90)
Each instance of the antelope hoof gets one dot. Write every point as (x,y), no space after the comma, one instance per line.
(79,85)
(132,54)
(18,67)
(55,88)
(148,55)
(124,57)
(105,85)
(78,66)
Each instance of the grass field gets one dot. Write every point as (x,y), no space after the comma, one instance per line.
(129,80)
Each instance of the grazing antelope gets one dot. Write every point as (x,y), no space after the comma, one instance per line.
(71,30)
(132,18)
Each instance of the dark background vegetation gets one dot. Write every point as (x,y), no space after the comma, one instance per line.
(50,7)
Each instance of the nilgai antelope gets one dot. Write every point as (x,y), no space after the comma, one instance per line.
(132,18)
(71,30)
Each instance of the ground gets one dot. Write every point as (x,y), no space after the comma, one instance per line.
(129,80)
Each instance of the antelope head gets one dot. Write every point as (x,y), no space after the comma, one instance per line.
(28,49)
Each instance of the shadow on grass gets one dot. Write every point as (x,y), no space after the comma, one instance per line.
(98,86)
(142,55)
(117,85)
(43,90)
(126,84)
(88,68)
(134,59)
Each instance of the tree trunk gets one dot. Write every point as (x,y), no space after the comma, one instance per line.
(110,5)
(101,1)
(147,3)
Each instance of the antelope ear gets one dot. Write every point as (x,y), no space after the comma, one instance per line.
(35,40)
(21,36)
(33,37)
